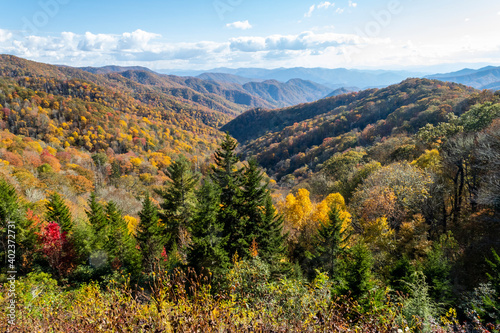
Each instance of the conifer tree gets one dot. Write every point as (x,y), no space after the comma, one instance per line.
(330,243)
(227,178)
(149,234)
(58,212)
(208,243)
(98,222)
(11,211)
(179,200)
(120,245)
(270,237)
(359,271)
(253,196)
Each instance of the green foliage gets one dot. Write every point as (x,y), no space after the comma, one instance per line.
(358,277)
(97,220)
(58,211)
(271,238)
(14,229)
(419,309)
(437,270)
(228,179)
(479,117)
(488,305)
(150,236)
(330,247)
(120,245)
(179,201)
(208,243)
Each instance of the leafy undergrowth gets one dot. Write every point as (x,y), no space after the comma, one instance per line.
(185,302)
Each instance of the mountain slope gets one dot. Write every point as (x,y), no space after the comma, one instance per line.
(113,69)
(306,135)
(293,92)
(343,90)
(226,78)
(332,78)
(69,107)
(484,78)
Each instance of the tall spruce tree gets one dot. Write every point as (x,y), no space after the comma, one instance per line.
(149,235)
(228,179)
(58,212)
(98,222)
(330,244)
(253,197)
(262,222)
(12,211)
(270,237)
(120,246)
(179,201)
(208,241)
(358,271)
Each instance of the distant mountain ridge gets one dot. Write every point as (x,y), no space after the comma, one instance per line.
(332,78)
(304,136)
(113,69)
(483,78)
(227,78)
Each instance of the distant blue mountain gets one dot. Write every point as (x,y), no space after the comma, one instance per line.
(483,78)
(332,78)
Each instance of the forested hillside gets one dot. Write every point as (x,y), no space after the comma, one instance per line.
(306,135)
(371,211)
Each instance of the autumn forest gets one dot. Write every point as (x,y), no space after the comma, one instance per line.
(145,202)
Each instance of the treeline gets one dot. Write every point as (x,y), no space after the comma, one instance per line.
(298,139)
(199,223)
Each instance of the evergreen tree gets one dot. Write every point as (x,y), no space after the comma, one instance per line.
(359,271)
(208,243)
(330,240)
(228,179)
(98,222)
(11,211)
(179,201)
(121,246)
(58,212)
(270,237)
(149,234)
(253,196)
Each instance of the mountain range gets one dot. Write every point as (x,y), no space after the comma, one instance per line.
(483,78)
(332,78)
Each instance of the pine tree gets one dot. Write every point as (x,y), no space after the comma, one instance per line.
(208,243)
(11,218)
(178,201)
(253,196)
(149,234)
(270,237)
(58,212)
(359,271)
(98,222)
(227,178)
(120,245)
(330,243)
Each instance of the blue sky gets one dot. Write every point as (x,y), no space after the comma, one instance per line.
(204,34)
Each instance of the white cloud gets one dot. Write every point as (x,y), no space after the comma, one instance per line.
(467,19)
(326,5)
(138,39)
(339,10)
(243,25)
(322,5)
(5,35)
(310,12)
(352,4)
(305,41)
(322,48)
